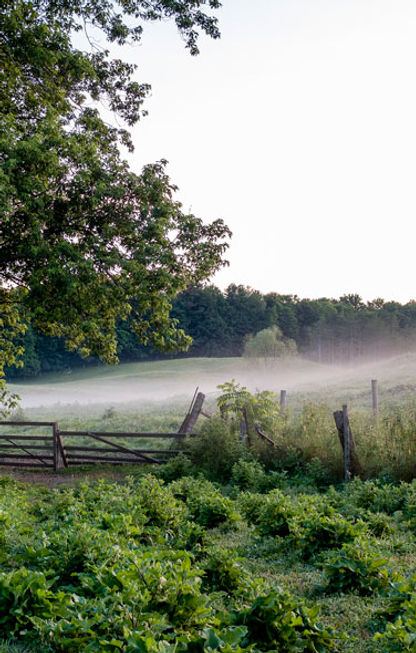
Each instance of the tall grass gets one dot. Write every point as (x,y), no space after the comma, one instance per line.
(386,446)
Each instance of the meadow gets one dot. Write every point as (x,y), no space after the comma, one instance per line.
(226,547)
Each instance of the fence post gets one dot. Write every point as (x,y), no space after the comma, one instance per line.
(55,445)
(374,392)
(245,420)
(243,432)
(283,401)
(191,418)
(347,442)
(344,429)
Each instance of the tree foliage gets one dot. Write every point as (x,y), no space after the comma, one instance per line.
(85,241)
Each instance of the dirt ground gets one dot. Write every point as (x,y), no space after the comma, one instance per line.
(69,478)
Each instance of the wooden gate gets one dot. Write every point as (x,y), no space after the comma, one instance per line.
(43,444)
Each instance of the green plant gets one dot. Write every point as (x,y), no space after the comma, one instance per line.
(223,571)
(237,403)
(206,505)
(270,513)
(25,594)
(356,567)
(376,496)
(315,532)
(248,475)
(176,468)
(269,345)
(278,622)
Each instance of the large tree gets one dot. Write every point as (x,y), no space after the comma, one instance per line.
(83,238)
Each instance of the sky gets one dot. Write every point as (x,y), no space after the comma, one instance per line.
(298,129)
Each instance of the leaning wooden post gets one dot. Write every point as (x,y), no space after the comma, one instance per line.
(374,392)
(347,448)
(191,418)
(283,401)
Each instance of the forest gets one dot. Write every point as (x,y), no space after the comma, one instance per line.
(219,322)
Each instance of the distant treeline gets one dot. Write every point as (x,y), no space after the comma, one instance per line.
(325,330)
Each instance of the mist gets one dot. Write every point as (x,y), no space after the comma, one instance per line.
(165,381)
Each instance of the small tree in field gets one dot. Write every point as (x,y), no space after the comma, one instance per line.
(269,345)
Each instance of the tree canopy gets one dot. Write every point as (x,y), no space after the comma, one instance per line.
(84,240)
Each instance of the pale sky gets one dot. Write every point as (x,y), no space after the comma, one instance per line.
(298,128)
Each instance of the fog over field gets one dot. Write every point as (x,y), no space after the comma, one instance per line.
(164,380)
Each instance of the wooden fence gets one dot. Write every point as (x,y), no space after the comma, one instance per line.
(53,448)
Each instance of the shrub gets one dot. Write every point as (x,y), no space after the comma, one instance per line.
(400,593)
(375,496)
(223,571)
(379,524)
(177,467)
(158,504)
(215,450)
(315,532)
(400,637)
(317,473)
(270,513)
(249,475)
(23,595)
(206,505)
(311,434)
(401,634)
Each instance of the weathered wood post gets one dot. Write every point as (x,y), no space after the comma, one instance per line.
(351,462)
(243,432)
(347,441)
(283,401)
(263,435)
(192,416)
(374,392)
(245,420)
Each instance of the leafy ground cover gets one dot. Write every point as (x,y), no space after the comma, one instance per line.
(178,563)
